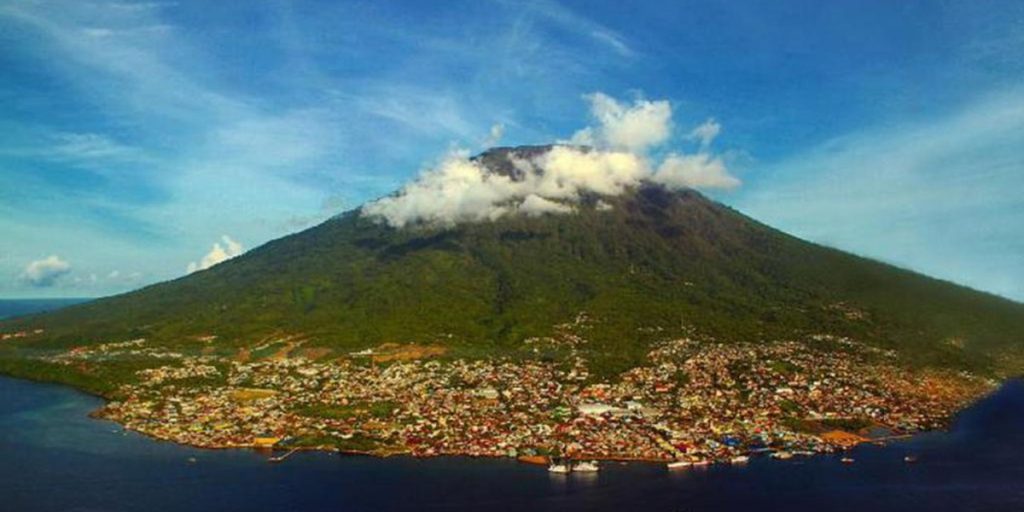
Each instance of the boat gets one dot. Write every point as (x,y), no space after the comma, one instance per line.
(561,469)
(678,464)
(740,459)
(910,459)
(540,460)
(586,467)
(846,460)
(701,462)
(782,455)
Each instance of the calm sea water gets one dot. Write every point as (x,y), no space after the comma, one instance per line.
(53,457)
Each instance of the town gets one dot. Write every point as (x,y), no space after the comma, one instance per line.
(695,400)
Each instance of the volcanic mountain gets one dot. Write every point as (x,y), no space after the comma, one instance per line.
(645,265)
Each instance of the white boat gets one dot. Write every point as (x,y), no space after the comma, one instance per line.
(909,459)
(701,462)
(562,469)
(586,467)
(782,455)
(846,460)
(678,464)
(740,459)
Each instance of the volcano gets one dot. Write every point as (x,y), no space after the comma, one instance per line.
(645,265)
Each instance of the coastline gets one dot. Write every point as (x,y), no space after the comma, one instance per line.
(96,415)
(49,437)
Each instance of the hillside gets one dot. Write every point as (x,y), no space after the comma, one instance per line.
(655,265)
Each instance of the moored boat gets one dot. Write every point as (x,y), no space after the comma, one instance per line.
(679,464)
(586,467)
(539,460)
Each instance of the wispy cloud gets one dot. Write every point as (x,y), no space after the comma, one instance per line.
(161,125)
(942,196)
(578,24)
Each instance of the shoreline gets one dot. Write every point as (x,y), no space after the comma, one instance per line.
(385,454)
(133,472)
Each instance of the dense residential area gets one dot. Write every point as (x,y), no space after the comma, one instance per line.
(693,400)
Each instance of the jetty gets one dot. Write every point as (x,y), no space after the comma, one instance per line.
(281,458)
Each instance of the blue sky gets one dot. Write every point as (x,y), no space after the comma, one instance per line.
(137,135)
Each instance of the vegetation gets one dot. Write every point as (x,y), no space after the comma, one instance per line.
(847,424)
(658,264)
(339,412)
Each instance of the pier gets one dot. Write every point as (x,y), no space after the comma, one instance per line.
(281,458)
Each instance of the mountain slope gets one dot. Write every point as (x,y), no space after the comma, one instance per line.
(656,264)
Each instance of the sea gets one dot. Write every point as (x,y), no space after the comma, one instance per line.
(54,457)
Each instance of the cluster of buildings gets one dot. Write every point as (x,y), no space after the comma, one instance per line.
(692,400)
(19,334)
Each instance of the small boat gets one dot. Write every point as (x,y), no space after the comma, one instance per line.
(701,462)
(586,467)
(846,460)
(782,455)
(539,460)
(679,464)
(909,459)
(561,469)
(740,459)
(191,460)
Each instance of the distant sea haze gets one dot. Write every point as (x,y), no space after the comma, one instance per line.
(17,307)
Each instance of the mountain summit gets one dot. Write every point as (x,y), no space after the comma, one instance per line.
(645,265)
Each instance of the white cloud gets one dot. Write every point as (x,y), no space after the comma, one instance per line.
(494,136)
(218,253)
(706,132)
(700,170)
(636,128)
(568,171)
(461,190)
(45,272)
(535,205)
(458,190)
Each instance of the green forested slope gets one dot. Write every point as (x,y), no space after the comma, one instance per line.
(655,263)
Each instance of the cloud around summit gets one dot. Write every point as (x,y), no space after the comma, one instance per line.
(607,158)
